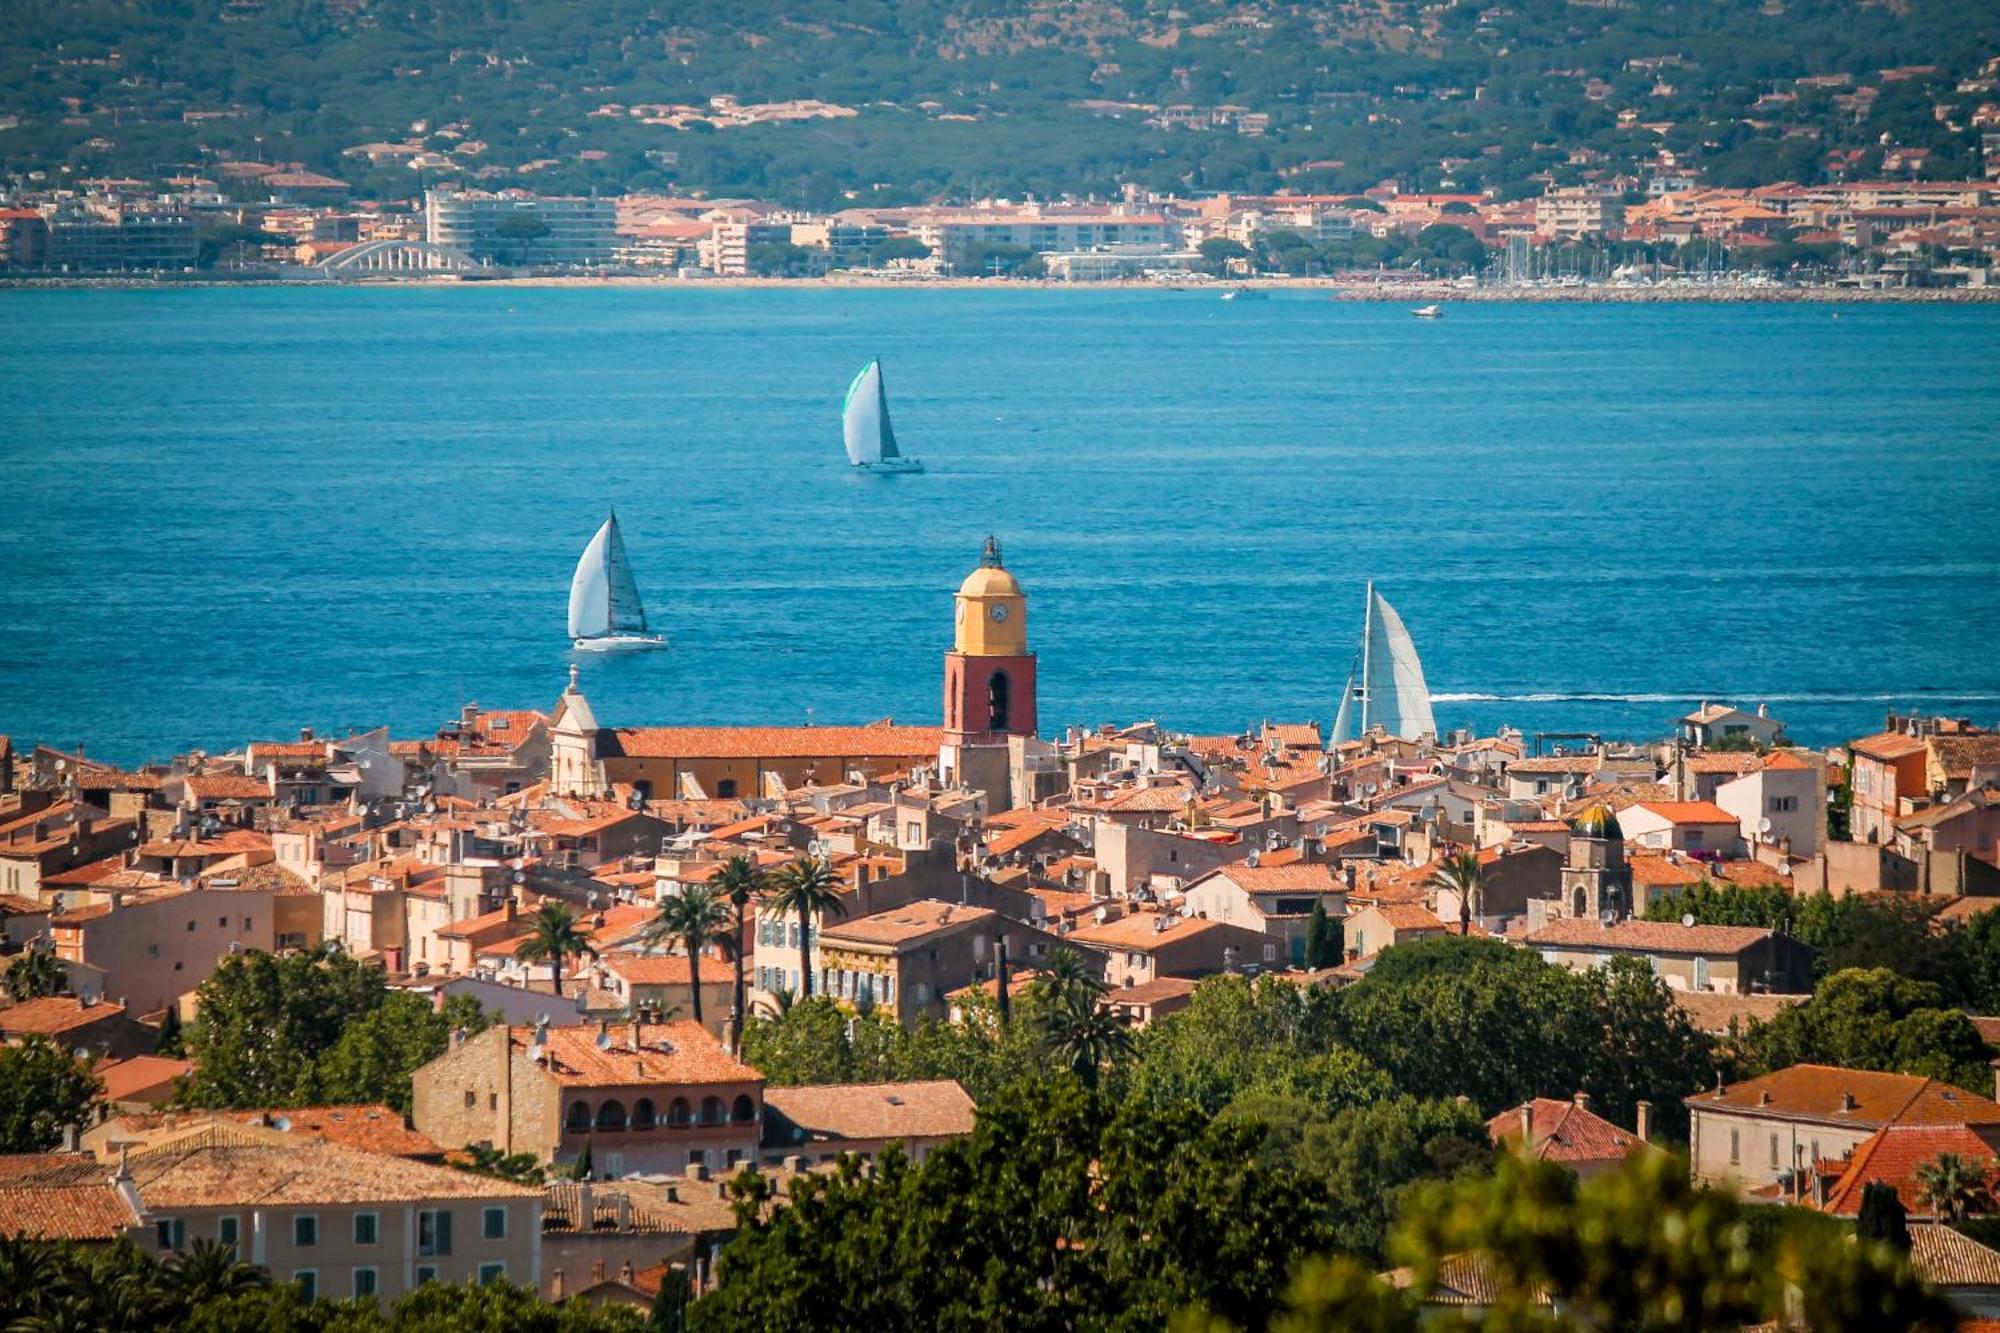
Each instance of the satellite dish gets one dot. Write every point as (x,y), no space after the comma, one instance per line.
(1251,860)
(520,877)
(816,847)
(1764,824)
(1372,788)
(1608,917)
(541,1020)
(1687,918)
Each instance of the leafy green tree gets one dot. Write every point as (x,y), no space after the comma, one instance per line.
(483,1160)
(1237,1035)
(36,974)
(264,1020)
(778,259)
(897,247)
(521,229)
(553,936)
(1874,1019)
(1067,980)
(43,1090)
(695,918)
(1221,251)
(375,1057)
(1085,1039)
(208,1270)
(806,889)
(1055,1212)
(171,1042)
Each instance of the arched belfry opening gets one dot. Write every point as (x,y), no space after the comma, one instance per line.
(998,689)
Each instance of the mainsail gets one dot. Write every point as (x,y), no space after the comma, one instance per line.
(865,418)
(603,596)
(1391,693)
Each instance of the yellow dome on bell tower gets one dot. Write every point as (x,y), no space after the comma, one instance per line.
(992,610)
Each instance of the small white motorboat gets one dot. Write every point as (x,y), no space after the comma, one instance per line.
(1429,312)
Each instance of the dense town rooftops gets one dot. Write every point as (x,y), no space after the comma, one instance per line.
(1892,1155)
(1831,1095)
(617,1055)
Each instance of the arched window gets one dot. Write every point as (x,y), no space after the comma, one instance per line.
(678,1112)
(746,1109)
(579,1118)
(611,1115)
(997,689)
(643,1114)
(1581,904)
(711,1110)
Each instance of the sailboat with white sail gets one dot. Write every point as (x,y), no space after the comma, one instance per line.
(871,440)
(1386,688)
(605,613)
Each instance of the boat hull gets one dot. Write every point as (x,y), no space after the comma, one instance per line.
(891,465)
(621,643)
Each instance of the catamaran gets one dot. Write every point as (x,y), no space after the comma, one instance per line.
(1386,687)
(605,613)
(871,440)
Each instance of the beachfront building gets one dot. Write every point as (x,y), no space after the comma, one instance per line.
(961,236)
(502,228)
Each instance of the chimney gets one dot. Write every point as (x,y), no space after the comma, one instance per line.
(1582,1100)
(1996,1080)
(596,1271)
(1847,1102)
(625,1219)
(586,1213)
(511,906)
(1527,1126)
(69,1138)
(1644,1126)
(625,1272)
(556,1287)
(437,1000)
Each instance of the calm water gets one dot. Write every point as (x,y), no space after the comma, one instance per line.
(224,514)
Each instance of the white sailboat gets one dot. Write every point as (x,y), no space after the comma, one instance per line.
(871,440)
(1386,689)
(605,613)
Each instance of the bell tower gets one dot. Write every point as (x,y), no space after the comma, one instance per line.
(989,680)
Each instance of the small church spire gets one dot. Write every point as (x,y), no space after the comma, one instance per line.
(990,556)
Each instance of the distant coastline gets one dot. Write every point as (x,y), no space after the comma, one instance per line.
(1333,288)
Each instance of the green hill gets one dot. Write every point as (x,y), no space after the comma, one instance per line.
(974,97)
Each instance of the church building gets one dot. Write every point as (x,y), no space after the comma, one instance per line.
(989,684)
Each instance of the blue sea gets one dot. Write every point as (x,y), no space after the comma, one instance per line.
(225,514)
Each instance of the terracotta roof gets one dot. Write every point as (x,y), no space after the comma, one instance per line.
(562,1208)
(639,1054)
(1887,746)
(1141,932)
(1563,1132)
(904,925)
(1688,812)
(1957,755)
(1818,1092)
(1646,937)
(1892,1155)
(1150,992)
(1402,916)
(367,1127)
(227,787)
(660,969)
(1943,1257)
(1561,764)
(1462,1279)
(1711,1011)
(776,742)
(1741,761)
(126,1080)
(1782,761)
(54,1015)
(60,1196)
(1659,871)
(209,1167)
(1299,877)
(13,904)
(828,1113)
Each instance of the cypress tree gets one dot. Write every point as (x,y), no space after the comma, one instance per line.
(1883,1216)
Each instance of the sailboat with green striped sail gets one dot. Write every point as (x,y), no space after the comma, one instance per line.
(871,440)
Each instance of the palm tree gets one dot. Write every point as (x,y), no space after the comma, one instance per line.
(694,918)
(1952,1187)
(209,1270)
(805,888)
(739,880)
(35,974)
(1463,875)
(1085,1037)
(554,935)
(1067,981)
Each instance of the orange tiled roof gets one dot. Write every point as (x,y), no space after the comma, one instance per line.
(1138,933)
(1892,1155)
(1822,1092)
(904,925)
(1688,812)
(1298,877)
(830,1113)
(1646,936)
(1563,1132)
(227,787)
(1887,746)
(60,1196)
(638,1054)
(54,1015)
(887,742)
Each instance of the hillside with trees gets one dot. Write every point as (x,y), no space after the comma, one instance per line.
(973,98)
